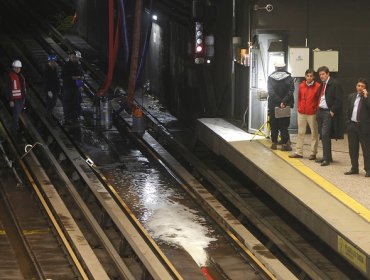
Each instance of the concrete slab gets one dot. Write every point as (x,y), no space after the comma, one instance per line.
(307,190)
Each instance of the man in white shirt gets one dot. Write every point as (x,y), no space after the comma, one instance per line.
(358,115)
(329,113)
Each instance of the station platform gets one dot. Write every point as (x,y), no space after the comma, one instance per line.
(336,207)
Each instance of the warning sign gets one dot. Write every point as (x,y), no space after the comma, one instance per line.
(352,254)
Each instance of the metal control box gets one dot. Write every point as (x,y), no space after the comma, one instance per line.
(298,61)
(326,58)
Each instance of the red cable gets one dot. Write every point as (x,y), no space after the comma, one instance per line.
(112,48)
(206,273)
(74,18)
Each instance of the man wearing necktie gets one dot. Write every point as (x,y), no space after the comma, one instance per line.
(329,113)
(358,115)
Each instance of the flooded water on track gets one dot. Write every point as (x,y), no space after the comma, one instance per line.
(175,222)
(164,209)
(161,206)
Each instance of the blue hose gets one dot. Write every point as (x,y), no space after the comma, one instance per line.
(125,41)
(146,44)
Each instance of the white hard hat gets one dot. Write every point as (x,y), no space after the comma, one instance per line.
(279,64)
(78,54)
(17,63)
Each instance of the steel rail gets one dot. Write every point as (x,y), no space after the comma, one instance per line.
(44,204)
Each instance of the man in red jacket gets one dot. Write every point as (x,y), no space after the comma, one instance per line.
(307,106)
(16,93)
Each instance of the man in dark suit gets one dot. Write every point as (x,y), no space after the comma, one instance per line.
(358,115)
(329,113)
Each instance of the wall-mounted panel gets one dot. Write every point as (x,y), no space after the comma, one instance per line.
(298,61)
(326,58)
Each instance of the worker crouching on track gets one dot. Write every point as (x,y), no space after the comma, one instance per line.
(71,72)
(16,92)
(52,84)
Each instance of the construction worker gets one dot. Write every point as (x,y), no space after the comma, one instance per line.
(71,72)
(52,84)
(16,93)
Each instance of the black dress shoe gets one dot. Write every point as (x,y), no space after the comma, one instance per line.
(312,157)
(322,160)
(325,163)
(295,156)
(367,174)
(351,172)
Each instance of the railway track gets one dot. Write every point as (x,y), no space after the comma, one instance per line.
(65,157)
(83,181)
(34,231)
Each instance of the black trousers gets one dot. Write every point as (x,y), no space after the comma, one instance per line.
(355,138)
(71,103)
(324,123)
(17,110)
(279,124)
(51,102)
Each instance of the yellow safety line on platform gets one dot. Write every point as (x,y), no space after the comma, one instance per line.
(323,183)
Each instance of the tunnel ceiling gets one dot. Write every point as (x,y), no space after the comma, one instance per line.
(179,10)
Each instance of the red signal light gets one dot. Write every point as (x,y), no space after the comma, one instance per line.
(199,43)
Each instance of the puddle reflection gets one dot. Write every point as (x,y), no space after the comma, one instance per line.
(163,210)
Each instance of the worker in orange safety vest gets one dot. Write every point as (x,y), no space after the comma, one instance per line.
(16,93)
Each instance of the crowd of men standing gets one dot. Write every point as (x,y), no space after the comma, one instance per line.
(320,106)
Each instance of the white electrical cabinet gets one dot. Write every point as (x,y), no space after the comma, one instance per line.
(298,60)
(326,58)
